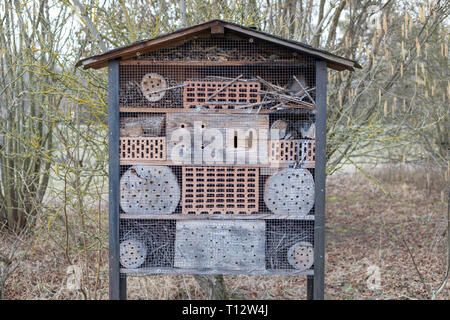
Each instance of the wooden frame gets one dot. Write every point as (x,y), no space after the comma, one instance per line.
(320,177)
(118,280)
(117,275)
(117,284)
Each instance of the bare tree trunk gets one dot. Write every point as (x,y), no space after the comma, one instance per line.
(213,286)
(334,23)
(292,21)
(183,13)
(316,38)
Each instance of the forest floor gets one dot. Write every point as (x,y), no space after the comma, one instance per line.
(370,230)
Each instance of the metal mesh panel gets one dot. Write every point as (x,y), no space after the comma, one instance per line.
(131,90)
(281,236)
(157,238)
(240,93)
(231,48)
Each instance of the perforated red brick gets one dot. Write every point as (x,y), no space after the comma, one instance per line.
(143,148)
(239,93)
(292,150)
(220,190)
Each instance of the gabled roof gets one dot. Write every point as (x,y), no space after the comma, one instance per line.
(164,40)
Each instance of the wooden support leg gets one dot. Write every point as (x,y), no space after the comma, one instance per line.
(123,287)
(309,287)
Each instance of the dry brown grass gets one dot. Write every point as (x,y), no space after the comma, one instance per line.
(364,226)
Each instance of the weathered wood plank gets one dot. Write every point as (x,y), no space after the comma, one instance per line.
(117,285)
(255,216)
(149,271)
(216,121)
(148,126)
(205,63)
(237,137)
(257,165)
(320,178)
(227,245)
(130,108)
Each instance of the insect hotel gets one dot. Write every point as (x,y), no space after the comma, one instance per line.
(217,154)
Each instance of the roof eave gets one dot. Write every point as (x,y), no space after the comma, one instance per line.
(100,61)
(346,63)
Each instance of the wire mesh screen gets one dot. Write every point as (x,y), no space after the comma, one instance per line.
(289,244)
(146,243)
(233,47)
(217,154)
(184,86)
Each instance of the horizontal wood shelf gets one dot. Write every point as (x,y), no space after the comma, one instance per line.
(285,164)
(156,270)
(257,216)
(201,111)
(205,63)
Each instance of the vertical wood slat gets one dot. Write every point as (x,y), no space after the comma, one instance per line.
(309,287)
(117,285)
(320,177)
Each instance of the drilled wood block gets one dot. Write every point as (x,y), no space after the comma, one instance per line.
(241,138)
(301,255)
(196,94)
(220,244)
(152,86)
(292,150)
(290,191)
(143,148)
(220,122)
(220,190)
(132,253)
(148,190)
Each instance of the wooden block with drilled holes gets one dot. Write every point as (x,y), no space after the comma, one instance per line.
(241,137)
(148,190)
(220,245)
(290,191)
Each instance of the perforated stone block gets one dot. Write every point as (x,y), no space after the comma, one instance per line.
(196,94)
(143,148)
(292,150)
(220,190)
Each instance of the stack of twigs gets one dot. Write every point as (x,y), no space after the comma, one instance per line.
(275,97)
